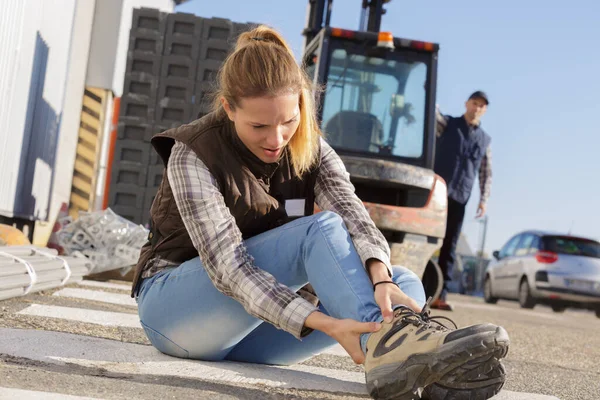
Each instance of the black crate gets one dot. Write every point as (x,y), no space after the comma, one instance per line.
(140,62)
(137,129)
(140,84)
(203,98)
(133,105)
(144,41)
(182,45)
(239,28)
(217,28)
(215,50)
(126,196)
(157,128)
(131,151)
(177,89)
(132,214)
(154,157)
(126,173)
(207,71)
(178,67)
(149,19)
(154,176)
(169,111)
(184,24)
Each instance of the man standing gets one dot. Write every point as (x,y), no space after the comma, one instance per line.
(463,150)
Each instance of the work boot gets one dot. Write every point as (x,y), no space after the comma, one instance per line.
(442,304)
(417,354)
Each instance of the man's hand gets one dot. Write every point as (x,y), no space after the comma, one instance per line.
(481,210)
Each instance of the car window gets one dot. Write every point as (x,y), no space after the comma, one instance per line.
(535,245)
(524,244)
(572,246)
(510,247)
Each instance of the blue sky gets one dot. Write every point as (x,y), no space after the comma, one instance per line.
(538,62)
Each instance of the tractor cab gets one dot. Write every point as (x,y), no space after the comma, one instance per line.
(378,94)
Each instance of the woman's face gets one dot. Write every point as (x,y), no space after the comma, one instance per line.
(266,124)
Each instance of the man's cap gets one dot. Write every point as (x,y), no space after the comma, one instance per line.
(480,95)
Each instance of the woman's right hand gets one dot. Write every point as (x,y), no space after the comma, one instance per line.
(345,331)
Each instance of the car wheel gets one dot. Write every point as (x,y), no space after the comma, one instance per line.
(525,299)
(558,309)
(487,292)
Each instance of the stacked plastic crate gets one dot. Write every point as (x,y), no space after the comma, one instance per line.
(137,114)
(172,64)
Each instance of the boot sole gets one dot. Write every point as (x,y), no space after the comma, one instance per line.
(408,379)
(479,379)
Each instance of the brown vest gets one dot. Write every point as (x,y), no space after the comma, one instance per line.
(254,192)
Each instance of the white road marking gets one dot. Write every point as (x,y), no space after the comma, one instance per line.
(300,377)
(105,285)
(297,376)
(95,295)
(10,393)
(129,358)
(104,318)
(336,350)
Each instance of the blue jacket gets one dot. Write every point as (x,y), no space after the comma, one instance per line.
(459,152)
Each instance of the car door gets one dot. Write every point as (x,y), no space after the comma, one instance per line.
(518,265)
(500,283)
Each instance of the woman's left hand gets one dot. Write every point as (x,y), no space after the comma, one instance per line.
(388,295)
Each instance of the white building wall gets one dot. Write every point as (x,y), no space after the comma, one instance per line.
(69,128)
(103,48)
(110,40)
(11,25)
(36,40)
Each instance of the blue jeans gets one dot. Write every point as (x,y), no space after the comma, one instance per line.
(447,259)
(185,316)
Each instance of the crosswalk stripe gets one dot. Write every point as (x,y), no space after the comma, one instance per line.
(336,350)
(104,285)
(297,377)
(106,297)
(136,359)
(10,393)
(300,377)
(105,318)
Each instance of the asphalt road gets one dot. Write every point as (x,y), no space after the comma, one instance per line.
(87,343)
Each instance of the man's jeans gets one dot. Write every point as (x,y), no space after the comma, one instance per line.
(185,316)
(447,259)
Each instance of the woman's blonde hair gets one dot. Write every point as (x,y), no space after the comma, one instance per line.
(263,64)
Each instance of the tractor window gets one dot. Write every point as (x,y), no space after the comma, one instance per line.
(375,105)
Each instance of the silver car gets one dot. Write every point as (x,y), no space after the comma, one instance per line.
(540,267)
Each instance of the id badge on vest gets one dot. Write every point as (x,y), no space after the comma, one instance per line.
(295,207)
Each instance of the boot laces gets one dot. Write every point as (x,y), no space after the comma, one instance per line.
(424,318)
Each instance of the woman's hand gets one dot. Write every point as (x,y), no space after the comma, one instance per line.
(345,331)
(388,294)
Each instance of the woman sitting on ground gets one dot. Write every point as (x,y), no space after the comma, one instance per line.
(234,240)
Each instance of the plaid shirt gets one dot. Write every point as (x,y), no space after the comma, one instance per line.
(215,235)
(485,170)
